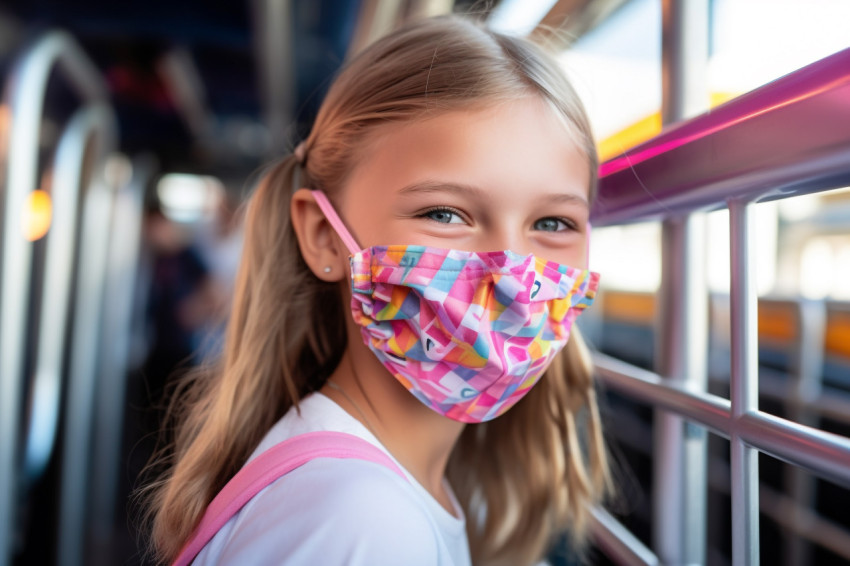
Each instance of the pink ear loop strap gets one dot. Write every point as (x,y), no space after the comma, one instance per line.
(336,222)
(587,251)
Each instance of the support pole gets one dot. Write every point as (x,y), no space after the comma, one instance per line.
(679,483)
(743,386)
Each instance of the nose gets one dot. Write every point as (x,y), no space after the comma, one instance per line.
(506,237)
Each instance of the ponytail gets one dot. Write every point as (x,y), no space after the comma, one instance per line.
(270,361)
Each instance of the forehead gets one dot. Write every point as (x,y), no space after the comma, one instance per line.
(513,149)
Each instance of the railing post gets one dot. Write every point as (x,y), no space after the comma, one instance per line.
(743,390)
(24,99)
(679,490)
(120,310)
(807,370)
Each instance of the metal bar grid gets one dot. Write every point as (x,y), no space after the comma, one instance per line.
(824,453)
(785,510)
(120,310)
(618,542)
(759,161)
(679,488)
(24,98)
(96,121)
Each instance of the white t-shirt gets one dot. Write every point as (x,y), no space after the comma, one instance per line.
(339,511)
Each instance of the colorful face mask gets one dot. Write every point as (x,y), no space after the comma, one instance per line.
(468,333)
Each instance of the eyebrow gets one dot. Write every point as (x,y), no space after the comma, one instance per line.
(473,191)
(442,187)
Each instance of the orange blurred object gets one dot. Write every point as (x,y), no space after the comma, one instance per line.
(37,215)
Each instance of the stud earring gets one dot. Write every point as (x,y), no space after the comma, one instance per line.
(327,269)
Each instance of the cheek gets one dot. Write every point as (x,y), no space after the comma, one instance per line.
(368,219)
(572,252)
(576,258)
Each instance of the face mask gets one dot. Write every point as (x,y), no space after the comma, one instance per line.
(467,333)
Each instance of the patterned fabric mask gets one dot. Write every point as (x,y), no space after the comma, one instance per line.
(467,333)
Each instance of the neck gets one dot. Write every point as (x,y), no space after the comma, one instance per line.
(420,439)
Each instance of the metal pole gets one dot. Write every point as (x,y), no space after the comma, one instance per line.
(84,365)
(121,290)
(807,371)
(25,98)
(744,386)
(97,120)
(96,123)
(679,490)
(617,542)
(275,48)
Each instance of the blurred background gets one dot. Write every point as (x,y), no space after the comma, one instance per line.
(131,133)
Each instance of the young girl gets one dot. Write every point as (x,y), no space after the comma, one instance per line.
(409,273)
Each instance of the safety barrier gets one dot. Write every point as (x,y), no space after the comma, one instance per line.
(83,208)
(785,139)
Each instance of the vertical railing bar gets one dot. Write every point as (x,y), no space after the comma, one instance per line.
(95,123)
(25,98)
(679,479)
(807,370)
(73,508)
(744,385)
(62,241)
(111,386)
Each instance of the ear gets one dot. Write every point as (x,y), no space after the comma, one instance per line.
(320,246)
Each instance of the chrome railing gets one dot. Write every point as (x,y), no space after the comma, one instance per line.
(24,98)
(122,309)
(785,139)
(96,230)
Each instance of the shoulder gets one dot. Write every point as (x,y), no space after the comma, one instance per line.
(331,511)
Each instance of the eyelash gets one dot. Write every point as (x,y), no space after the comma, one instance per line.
(449,210)
(568,223)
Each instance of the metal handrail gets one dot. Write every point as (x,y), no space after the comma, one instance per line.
(781,508)
(736,155)
(708,410)
(95,120)
(786,138)
(120,309)
(617,541)
(83,370)
(822,452)
(24,97)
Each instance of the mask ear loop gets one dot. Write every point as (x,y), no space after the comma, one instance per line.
(336,221)
(587,249)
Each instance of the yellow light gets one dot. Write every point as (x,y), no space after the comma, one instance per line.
(5,126)
(37,215)
(644,130)
(630,136)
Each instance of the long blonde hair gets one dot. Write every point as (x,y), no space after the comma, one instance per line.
(522,478)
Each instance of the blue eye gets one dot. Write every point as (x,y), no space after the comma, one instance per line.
(443,216)
(553,225)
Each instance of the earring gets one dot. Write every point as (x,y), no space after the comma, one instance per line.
(327,269)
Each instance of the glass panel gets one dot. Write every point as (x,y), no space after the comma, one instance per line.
(802,261)
(616,68)
(621,321)
(756,41)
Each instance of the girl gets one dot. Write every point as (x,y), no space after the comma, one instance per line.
(408,275)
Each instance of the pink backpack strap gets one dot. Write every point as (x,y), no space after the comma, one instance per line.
(272,464)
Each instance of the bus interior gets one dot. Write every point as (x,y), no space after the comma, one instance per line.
(131,133)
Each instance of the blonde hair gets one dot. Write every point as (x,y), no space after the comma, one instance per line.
(550,462)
